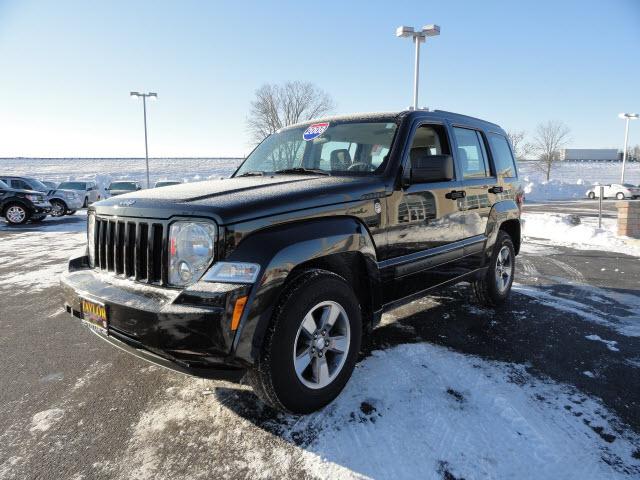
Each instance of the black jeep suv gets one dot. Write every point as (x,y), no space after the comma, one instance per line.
(18,206)
(279,271)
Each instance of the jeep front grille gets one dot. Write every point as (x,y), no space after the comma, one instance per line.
(132,248)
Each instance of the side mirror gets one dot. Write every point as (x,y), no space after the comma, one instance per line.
(431,168)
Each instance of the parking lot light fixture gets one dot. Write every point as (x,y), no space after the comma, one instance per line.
(152,96)
(626,117)
(418,38)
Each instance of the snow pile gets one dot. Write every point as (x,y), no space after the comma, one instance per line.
(585,236)
(553,190)
(571,180)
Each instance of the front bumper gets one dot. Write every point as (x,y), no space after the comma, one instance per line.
(184,330)
(42,208)
(73,203)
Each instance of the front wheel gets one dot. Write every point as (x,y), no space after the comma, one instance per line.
(58,208)
(591,195)
(16,214)
(494,287)
(620,196)
(311,346)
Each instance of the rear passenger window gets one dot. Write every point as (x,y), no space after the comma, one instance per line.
(502,156)
(471,153)
(21,184)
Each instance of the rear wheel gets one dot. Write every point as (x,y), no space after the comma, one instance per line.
(58,208)
(620,196)
(311,346)
(494,287)
(16,214)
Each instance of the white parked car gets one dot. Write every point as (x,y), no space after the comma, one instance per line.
(615,190)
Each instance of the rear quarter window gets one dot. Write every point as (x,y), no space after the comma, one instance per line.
(502,156)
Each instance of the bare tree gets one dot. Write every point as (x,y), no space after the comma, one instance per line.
(277,106)
(521,148)
(549,139)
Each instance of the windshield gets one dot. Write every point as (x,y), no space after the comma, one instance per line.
(168,183)
(123,186)
(333,148)
(628,185)
(38,185)
(3,185)
(72,186)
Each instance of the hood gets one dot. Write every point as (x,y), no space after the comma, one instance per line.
(242,198)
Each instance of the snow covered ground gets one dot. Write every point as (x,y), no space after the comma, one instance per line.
(558,229)
(571,180)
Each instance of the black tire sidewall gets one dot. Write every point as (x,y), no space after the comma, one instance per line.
(496,296)
(294,395)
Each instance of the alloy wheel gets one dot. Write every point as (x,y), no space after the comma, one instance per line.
(16,214)
(321,345)
(504,269)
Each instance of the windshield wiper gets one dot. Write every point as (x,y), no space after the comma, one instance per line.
(254,173)
(303,170)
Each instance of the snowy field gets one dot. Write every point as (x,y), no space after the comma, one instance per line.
(569,180)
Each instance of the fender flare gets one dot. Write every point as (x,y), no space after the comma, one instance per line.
(502,211)
(282,248)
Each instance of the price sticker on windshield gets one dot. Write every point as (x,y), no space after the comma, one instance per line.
(315,130)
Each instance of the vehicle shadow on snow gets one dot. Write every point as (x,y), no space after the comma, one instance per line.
(548,342)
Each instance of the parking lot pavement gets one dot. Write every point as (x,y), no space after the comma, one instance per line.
(546,386)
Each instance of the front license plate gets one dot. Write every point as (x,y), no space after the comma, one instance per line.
(94,315)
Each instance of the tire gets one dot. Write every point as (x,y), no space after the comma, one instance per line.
(487,290)
(591,196)
(59,208)
(16,214)
(620,196)
(274,379)
(86,202)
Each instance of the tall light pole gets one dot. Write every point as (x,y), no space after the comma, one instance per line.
(627,116)
(418,38)
(144,110)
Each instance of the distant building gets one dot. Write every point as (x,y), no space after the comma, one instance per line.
(585,154)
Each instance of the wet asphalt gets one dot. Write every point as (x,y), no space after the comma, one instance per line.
(100,394)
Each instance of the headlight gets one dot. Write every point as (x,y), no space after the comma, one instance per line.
(71,195)
(35,198)
(191,251)
(233,272)
(91,225)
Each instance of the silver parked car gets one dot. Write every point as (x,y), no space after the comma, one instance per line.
(614,190)
(63,202)
(87,190)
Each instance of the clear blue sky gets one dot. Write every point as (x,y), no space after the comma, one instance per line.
(66,68)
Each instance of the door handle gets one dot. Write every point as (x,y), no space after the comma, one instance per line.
(496,189)
(456,194)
